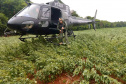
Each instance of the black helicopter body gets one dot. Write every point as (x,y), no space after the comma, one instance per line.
(42,19)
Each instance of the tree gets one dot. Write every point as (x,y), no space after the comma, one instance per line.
(74,13)
(11,7)
(3,23)
(27,0)
(3,19)
(60,1)
(89,17)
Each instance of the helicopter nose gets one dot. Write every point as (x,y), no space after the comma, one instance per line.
(10,24)
(21,23)
(14,23)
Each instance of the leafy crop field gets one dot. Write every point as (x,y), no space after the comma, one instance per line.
(94,57)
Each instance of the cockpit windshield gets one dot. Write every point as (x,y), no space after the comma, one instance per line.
(30,11)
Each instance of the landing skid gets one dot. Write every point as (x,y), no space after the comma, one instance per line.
(23,39)
(51,39)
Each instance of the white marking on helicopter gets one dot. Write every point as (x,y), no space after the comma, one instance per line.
(59,5)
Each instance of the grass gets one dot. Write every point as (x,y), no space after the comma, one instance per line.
(98,55)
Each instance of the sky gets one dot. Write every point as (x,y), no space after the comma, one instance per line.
(110,10)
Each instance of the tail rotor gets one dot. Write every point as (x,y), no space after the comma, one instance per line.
(94,21)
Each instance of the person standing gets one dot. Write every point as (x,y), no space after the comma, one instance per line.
(62,28)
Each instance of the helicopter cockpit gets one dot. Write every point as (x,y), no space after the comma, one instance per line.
(30,11)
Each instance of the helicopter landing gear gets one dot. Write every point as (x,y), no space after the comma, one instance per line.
(68,35)
(71,33)
(23,39)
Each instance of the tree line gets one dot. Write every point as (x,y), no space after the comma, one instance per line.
(10,7)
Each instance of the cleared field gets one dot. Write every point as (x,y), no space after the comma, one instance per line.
(93,57)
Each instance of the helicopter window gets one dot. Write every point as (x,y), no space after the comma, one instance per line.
(45,13)
(30,11)
(45,9)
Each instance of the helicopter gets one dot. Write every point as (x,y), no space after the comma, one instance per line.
(42,19)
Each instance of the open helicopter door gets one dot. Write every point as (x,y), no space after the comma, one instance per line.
(55,15)
(45,16)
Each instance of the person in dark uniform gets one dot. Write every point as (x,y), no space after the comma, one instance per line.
(61,27)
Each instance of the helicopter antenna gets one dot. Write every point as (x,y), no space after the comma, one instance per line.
(27,3)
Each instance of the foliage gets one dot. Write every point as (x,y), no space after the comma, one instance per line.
(96,55)
(60,1)
(11,7)
(3,23)
(74,13)
(3,19)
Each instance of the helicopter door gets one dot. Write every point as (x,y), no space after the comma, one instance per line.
(45,16)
